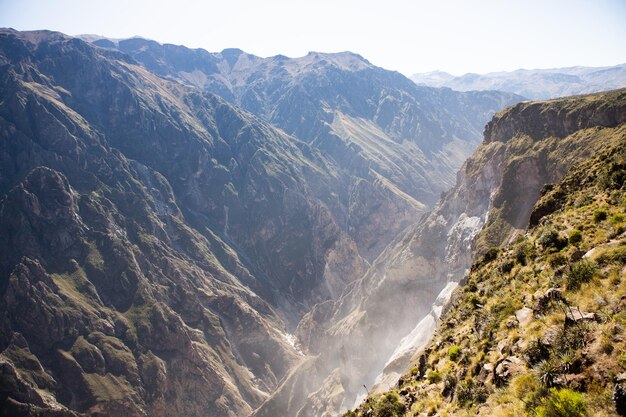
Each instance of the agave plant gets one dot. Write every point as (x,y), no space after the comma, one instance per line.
(547,372)
(566,361)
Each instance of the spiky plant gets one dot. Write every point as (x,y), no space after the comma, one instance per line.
(547,372)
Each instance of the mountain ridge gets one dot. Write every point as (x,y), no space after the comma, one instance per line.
(110,288)
(314,99)
(537,84)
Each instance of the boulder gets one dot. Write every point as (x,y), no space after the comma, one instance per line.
(575,315)
(486,373)
(543,299)
(550,336)
(508,368)
(524,316)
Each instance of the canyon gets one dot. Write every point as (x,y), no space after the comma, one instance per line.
(194,233)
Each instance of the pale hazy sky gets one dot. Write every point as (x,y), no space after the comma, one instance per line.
(408,36)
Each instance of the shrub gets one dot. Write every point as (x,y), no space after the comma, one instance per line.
(468,393)
(557,260)
(453,353)
(583,200)
(523,251)
(547,372)
(433,377)
(505,308)
(606,344)
(613,177)
(572,337)
(536,351)
(617,218)
(506,267)
(567,361)
(580,272)
(473,300)
(548,237)
(389,406)
(449,384)
(563,403)
(599,215)
(526,388)
(575,237)
(491,254)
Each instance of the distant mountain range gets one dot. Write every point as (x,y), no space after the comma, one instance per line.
(537,84)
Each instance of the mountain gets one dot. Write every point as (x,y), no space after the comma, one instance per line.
(160,243)
(536,84)
(535,327)
(398,145)
(525,147)
(154,239)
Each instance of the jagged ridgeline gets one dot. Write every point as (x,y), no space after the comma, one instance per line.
(395,146)
(538,327)
(159,244)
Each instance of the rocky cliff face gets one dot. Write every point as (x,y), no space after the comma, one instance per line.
(537,327)
(526,146)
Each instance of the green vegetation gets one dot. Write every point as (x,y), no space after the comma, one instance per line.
(575,237)
(563,403)
(567,274)
(388,405)
(524,251)
(94,257)
(549,238)
(434,377)
(469,392)
(491,254)
(580,272)
(547,372)
(453,353)
(599,215)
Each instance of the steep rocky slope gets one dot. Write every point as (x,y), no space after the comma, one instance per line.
(252,185)
(396,145)
(154,239)
(538,327)
(539,84)
(526,146)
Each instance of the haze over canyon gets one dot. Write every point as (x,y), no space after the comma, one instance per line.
(188,233)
